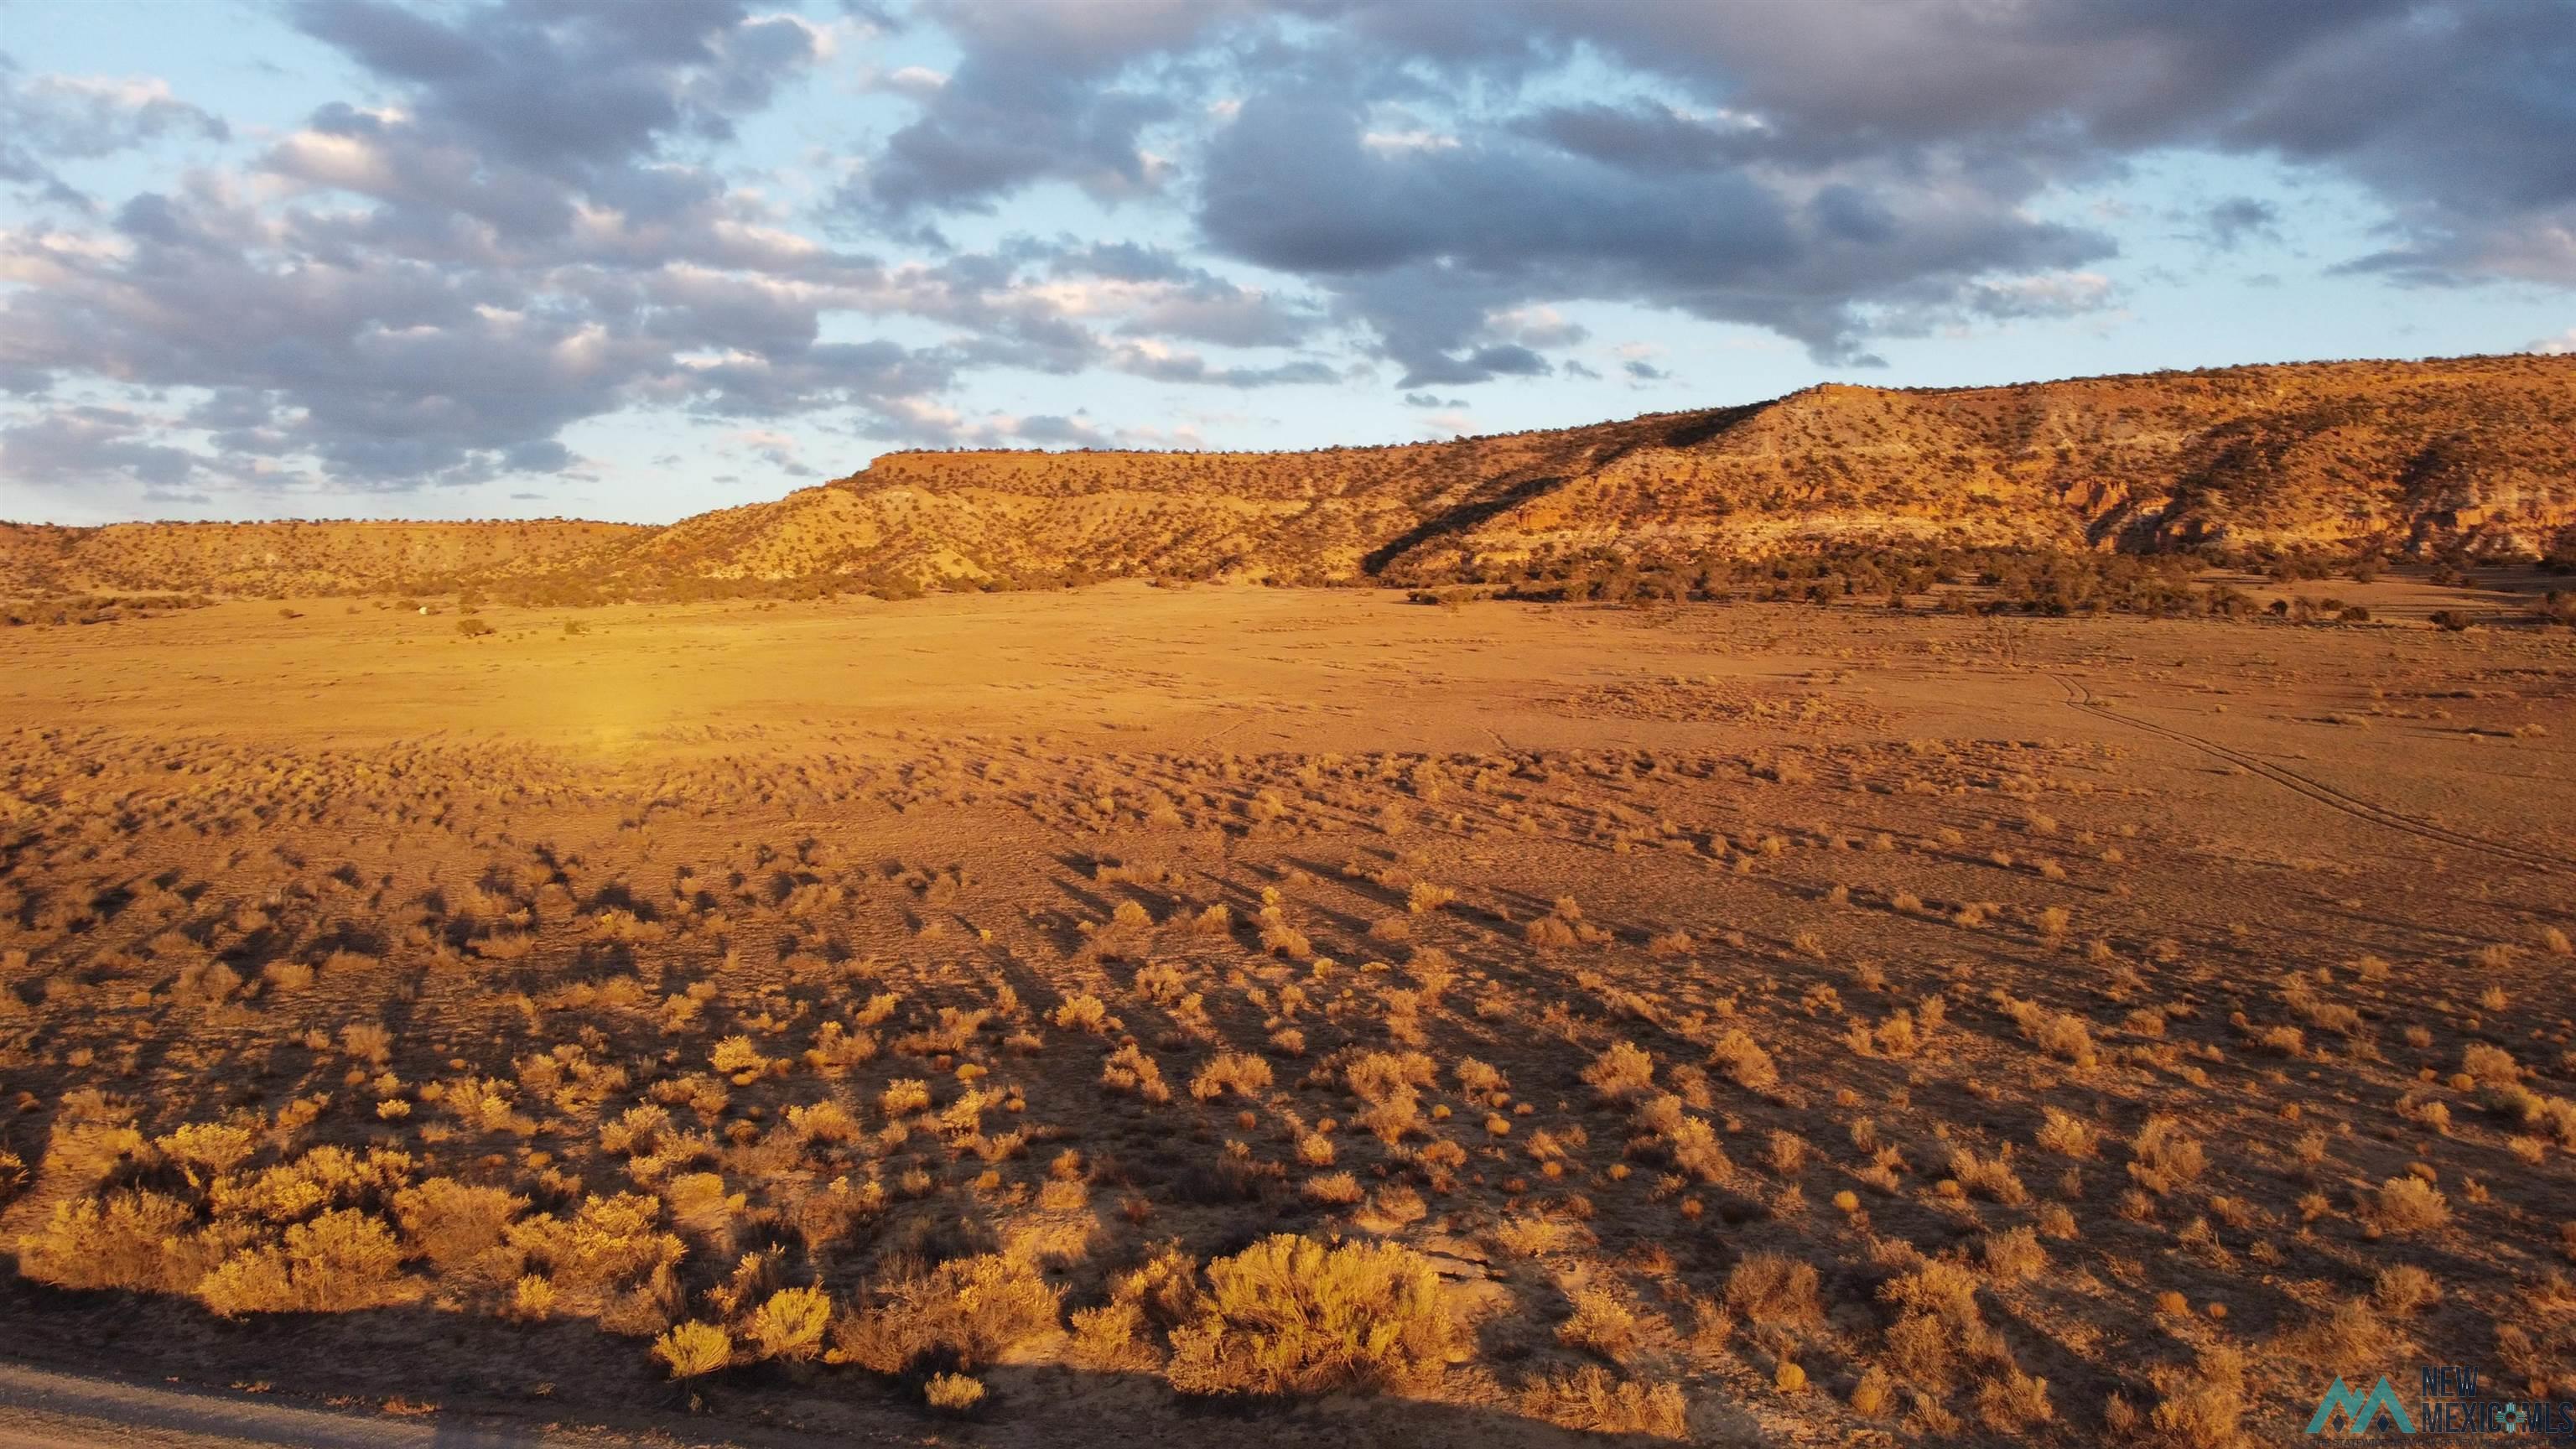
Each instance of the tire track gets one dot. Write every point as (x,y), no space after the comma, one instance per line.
(2079,697)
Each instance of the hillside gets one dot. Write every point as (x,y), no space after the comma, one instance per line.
(294,556)
(2476,453)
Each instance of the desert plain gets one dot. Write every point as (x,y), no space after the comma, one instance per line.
(1079,1016)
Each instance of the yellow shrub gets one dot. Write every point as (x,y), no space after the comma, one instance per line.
(694,1348)
(966,1311)
(450,1222)
(214,1146)
(323,1177)
(341,1260)
(612,1242)
(138,1240)
(791,1323)
(1241,1073)
(1590,1399)
(1291,1315)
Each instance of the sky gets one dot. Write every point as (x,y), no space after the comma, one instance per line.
(637,259)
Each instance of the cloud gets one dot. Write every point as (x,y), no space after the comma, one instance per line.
(2230,223)
(2055,294)
(90,443)
(2561,345)
(1826,179)
(1163,364)
(569,90)
(47,119)
(532,213)
(1036,97)
(1425,247)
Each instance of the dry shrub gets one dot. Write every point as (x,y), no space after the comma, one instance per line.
(790,1324)
(2166,1160)
(1937,1288)
(1772,1288)
(1696,1150)
(2407,1205)
(139,1240)
(1937,1323)
(1130,1070)
(1592,1400)
(2071,1135)
(904,1096)
(2205,1404)
(1389,1083)
(1874,1394)
(953,1393)
(90,1136)
(692,1349)
(450,1223)
(1745,1062)
(2350,1332)
(1993,1176)
(610,1243)
(532,1299)
(2011,1403)
(2055,1032)
(1600,1324)
(342,1260)
(739,1057)
(1621,1072)
(965,1313)
(636,1130)
(1241,1073)
(1528,1236)
(1112,1337)
(825,1122)
(1082,1012)
(1334,1189)
(2404,1289)
(1291,1315)
(1392,1208)
(215,1147)
(2015,1256)
(1549,932)
(1161,982)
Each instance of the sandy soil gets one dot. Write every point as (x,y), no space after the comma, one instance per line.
(2275,883)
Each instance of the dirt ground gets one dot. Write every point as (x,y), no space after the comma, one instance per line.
(1773,1024)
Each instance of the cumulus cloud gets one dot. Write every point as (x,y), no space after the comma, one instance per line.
(1829,176)
(537,213)
(1038,96)
(48,119)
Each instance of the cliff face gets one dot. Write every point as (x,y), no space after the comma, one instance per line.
(2475,451)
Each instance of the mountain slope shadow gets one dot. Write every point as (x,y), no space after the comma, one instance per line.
(1499,495)
(143,1364)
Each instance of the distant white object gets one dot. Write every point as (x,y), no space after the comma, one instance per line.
(424,608)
